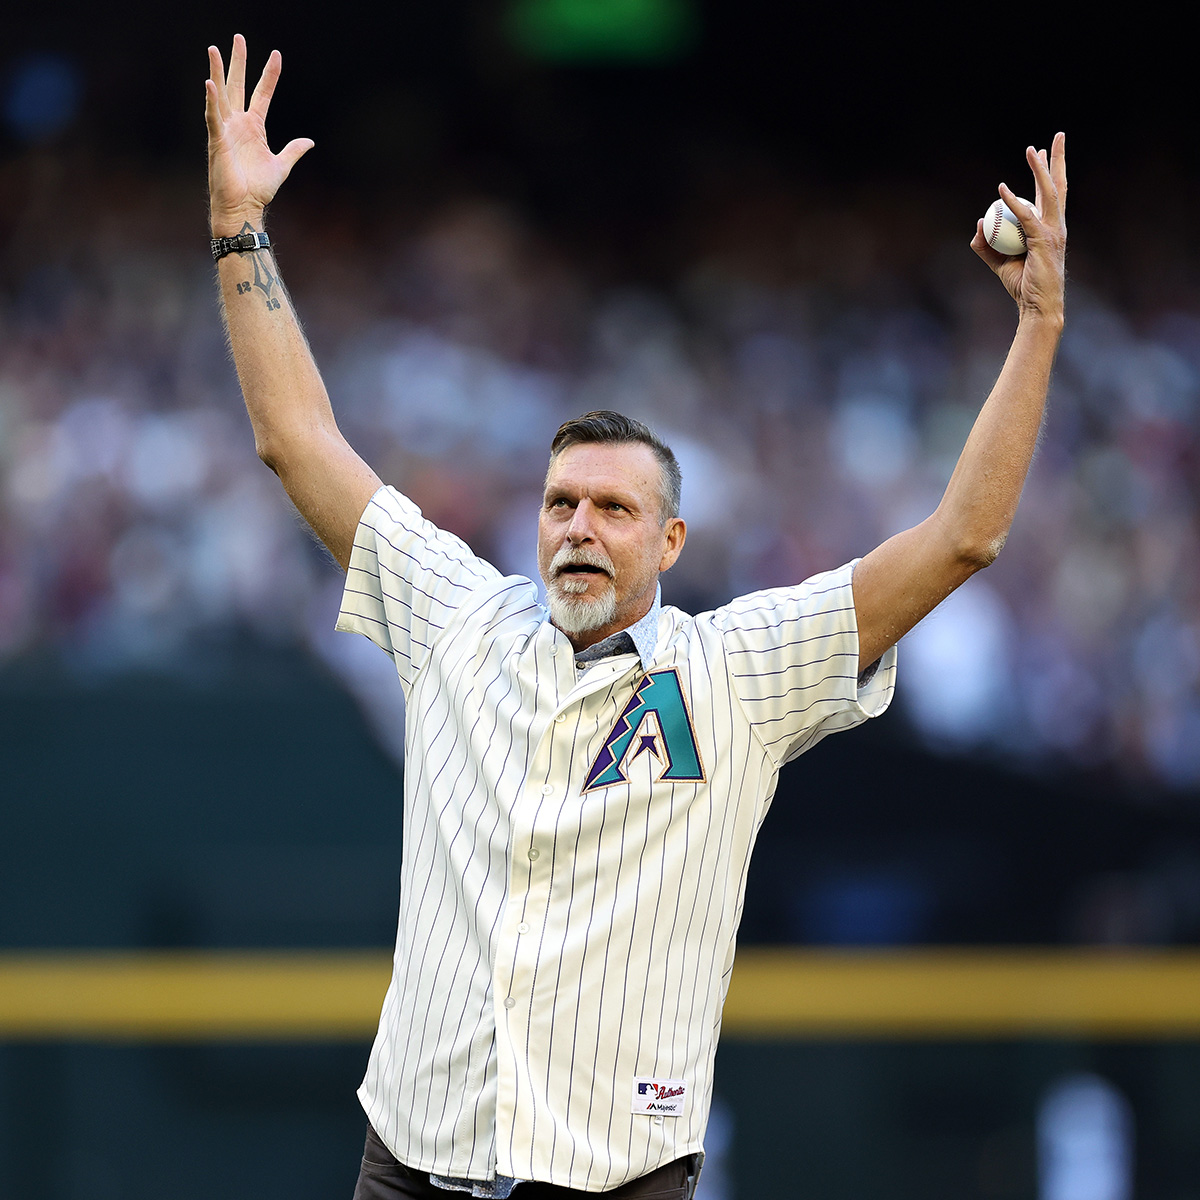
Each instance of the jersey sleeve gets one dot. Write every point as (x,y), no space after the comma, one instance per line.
(792,655)
(406,579)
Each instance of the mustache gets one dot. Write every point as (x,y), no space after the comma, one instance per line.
(581,556)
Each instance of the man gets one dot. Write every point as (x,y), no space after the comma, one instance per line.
(583,785)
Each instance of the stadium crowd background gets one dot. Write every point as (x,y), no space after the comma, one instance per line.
(817,387)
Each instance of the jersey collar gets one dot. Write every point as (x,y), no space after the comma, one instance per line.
(641,638)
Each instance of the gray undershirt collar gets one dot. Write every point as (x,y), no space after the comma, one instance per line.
(641,638)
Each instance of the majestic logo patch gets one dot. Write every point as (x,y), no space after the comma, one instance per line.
(658,713)
(659,1097)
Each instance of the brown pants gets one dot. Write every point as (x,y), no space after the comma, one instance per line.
(383,1178)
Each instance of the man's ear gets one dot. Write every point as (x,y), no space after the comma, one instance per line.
(675,534)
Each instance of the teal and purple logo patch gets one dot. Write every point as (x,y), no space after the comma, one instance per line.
(668,737)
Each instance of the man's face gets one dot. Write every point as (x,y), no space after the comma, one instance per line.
(601,543)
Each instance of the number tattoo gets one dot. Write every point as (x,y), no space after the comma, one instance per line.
(264,278)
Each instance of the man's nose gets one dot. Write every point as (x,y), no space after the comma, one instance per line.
(581,528)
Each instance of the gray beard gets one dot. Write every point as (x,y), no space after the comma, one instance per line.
(571,610)
(579,614)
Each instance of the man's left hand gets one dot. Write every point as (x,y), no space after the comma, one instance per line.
(1036,279)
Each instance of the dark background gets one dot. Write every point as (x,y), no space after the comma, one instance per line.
(412,96)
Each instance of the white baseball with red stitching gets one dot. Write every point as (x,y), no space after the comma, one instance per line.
(1002,229)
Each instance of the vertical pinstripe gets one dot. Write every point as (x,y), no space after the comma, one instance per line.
(554,944)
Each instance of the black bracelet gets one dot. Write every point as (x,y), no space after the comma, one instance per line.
(243,241)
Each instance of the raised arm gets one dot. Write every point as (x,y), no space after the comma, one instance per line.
(295,432)
(903,580)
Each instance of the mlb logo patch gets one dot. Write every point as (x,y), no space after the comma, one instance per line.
(658,1097)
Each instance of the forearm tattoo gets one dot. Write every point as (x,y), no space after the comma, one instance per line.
(265,279)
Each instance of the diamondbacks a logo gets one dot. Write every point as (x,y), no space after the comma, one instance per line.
(658,713)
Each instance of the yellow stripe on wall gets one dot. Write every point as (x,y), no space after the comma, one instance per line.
(775,993)
(192,997)
(965,994)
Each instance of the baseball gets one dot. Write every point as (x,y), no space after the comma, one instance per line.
(1002,229)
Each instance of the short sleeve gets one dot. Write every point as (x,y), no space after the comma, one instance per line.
(405,580)
(792,655)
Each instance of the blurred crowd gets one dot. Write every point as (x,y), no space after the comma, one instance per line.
(816,383)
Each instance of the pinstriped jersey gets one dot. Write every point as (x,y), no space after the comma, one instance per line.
(575,852)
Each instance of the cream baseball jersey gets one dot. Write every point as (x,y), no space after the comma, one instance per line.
(575,852)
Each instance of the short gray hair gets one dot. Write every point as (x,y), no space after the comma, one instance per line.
(605,427)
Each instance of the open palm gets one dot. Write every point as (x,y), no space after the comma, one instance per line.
(243,173)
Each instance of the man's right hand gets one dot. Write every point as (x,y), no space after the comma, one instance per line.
(295,431)
(243,174)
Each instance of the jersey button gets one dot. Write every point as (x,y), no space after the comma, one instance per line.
(547,790)
(560,718)
(510,1002)
(533,852)
(523,927)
